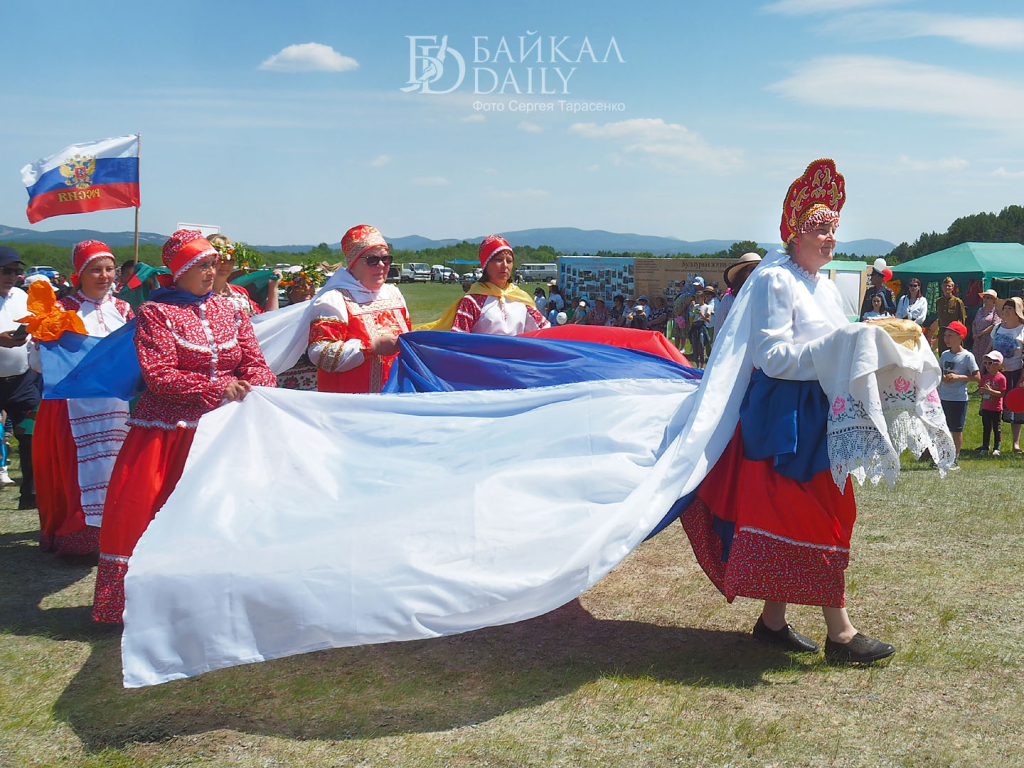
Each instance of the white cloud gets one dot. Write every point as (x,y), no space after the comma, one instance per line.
(869,82)
(529,127)
(430,181)
(805,7)
(476,117)
(518,194)
(663,144)
(1002,173)
(309,57)
(983,31)
(945,164)
(593,168)
(380,161)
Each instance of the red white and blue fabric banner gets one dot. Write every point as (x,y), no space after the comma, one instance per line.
(84,178)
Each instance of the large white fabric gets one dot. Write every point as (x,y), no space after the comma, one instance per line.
(374,518)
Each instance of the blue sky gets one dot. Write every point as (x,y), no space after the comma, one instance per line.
(920,103)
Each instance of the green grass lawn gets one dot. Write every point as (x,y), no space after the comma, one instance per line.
(649,668)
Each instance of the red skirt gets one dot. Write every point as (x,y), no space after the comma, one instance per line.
(147,469)
(62,527)
(759,534)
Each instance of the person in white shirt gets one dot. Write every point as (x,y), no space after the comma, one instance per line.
(19,384)
(913,305)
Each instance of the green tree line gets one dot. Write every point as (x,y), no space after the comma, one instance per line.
(1007,226)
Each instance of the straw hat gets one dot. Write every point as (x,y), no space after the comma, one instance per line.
(741,262)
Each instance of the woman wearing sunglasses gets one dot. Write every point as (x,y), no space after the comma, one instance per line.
(913,305)
(357,318)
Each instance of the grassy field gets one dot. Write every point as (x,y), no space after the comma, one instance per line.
(649,668)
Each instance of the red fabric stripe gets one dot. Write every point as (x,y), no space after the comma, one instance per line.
(629,338)
(98,198)
(55,460)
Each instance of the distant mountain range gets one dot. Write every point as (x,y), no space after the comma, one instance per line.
(562,239)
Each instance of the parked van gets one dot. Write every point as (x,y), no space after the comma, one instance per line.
(415,272)
(538,273)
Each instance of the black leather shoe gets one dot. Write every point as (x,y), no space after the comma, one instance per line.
(786,638)
(860,650)
(27,502)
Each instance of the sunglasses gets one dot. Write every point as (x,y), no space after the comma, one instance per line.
(374,260)
(12,270)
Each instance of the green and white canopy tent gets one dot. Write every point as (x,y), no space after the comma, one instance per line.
(1001,262)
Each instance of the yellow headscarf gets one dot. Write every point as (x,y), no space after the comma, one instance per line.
(511,293)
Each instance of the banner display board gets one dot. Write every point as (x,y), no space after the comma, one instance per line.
(670,277)
(595,277)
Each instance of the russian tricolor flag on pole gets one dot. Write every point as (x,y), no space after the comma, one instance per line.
(83,178)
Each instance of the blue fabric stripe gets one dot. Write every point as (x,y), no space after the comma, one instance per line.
(109,170)
(442,361)
(107,367)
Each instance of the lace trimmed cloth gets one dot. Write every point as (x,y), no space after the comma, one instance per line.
(882,400)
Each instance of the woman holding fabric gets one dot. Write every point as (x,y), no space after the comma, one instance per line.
(913,305)
(357,318)
(495,305)
(197,351)
(768,521)
(76,441)
(233,293)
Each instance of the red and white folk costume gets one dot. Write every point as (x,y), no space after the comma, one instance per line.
(499,312)
(756,529)
(190,350)
(346,318)
(77,441)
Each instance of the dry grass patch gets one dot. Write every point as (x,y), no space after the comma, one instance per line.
(649,668)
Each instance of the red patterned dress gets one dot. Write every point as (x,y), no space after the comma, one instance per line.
(75,445)
(345,322)
(189,354)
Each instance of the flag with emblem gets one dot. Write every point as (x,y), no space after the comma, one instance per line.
(84,178)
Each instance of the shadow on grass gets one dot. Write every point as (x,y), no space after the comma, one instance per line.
(365,692)
(420,686)
(29,575)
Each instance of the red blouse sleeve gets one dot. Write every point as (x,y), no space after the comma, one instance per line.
(467,314)
(158,359)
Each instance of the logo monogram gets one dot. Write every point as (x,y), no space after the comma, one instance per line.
(426,64)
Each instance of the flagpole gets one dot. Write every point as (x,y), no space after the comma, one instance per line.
(135,260)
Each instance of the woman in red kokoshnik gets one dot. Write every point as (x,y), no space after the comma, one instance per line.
(77,441)
(197,351)
(495,305)
(769,522)
(357,319)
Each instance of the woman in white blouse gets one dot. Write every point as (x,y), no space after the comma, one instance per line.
(913,305)
(768,521)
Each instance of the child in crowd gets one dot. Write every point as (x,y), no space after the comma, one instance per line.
(992,389)
(958,369)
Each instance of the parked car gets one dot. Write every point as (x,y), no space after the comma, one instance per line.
(41,269)
(394,274)
(474,275)
(440,274)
